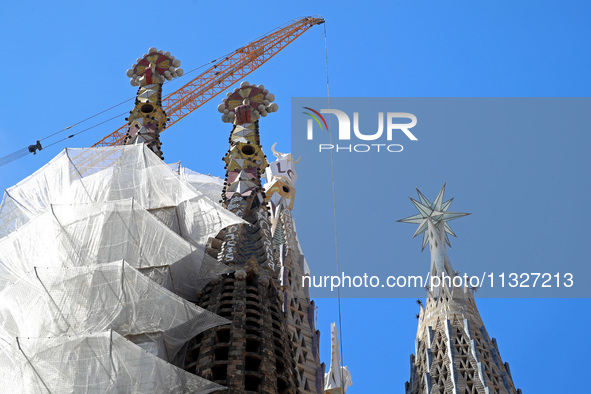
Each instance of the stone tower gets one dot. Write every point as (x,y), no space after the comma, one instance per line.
(300,311)
(148,119)
(453,352)
(254,354)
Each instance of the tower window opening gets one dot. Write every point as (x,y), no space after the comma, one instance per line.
(251,383)
(247,150)
(220,354)
(252,364)
(252,345)
(219,372)
(147,108)
(223,336)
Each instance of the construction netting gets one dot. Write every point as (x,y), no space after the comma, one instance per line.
(106,174)
(98,233)
(103,362)
(50,302)
(209,185)
(106,239)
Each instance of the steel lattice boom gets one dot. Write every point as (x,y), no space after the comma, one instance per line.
(223,74)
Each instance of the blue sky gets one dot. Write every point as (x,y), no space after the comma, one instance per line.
(65,61)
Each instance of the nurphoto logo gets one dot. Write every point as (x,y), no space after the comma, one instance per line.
(393,124)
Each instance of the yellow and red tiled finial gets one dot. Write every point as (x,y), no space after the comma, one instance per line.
(148,118)
(247,104)
(156,66)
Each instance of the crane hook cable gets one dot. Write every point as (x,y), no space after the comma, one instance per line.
(334,208)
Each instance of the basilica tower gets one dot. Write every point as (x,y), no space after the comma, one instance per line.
(255,353)
(453,352)
(147,119)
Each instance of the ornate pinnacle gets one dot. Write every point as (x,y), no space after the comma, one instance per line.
(247,104)
(148,119)
(154,67)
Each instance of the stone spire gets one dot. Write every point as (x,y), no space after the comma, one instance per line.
(254,354)
(299,309)
(453,352)
(148,119)
(338,378)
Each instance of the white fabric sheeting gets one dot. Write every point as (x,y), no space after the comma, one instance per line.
(63,227)
(50,302)
(103,362)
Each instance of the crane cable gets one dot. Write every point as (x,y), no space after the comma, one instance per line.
(334,210)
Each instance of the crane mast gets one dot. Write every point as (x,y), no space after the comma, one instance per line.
(223,74)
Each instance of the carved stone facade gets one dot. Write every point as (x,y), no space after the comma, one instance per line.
(453,352)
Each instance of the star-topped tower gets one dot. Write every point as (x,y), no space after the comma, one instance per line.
(453,352)
(433,218)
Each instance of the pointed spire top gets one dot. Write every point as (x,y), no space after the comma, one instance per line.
(434,212)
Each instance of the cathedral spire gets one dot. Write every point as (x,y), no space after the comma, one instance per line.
(246,162)
(338,378)
(148,119)
(453,352)
(255,353)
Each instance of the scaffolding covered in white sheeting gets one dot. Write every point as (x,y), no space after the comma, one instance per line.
(103,362)
(211,186)
(106,174)
(50,302)
(98,233)
(106,239)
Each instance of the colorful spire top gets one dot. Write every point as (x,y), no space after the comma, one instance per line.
(434,212)
(247,104)
(154,67)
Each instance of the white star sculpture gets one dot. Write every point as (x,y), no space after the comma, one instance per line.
(436,212)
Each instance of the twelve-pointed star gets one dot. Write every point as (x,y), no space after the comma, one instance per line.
(436,212)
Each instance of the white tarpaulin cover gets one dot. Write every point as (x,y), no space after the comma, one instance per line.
(98,233)
(90,243)
(50,302)
(94,363)
(105,174)
(210,186)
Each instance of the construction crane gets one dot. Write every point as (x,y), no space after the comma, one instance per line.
(221,75)
(224,74)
